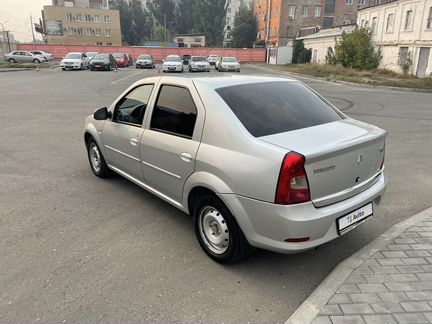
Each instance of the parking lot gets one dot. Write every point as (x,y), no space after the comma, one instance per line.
(79,249)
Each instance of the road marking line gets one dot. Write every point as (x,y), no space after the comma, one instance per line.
(127,77)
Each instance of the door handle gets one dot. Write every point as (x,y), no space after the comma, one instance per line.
(133,141)
(186,157)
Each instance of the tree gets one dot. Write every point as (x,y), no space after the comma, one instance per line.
(184,17)
(300,53)
(245,29)
(125,20)
(356,50)
(164,11)
(209,17)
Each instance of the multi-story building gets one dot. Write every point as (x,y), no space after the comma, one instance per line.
(403,31)
(233,7)
(81,22)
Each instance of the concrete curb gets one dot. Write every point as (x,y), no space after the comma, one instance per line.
(361,85)
(311,307)
(15,70)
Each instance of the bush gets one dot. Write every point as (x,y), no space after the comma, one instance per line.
(300,53)
(356,51)
(330,57)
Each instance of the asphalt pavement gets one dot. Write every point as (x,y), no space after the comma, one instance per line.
(76,248)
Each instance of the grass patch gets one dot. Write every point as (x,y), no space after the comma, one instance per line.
(5,65)
(336,73)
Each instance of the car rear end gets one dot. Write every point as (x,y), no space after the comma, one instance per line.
(329,172)
(121,60)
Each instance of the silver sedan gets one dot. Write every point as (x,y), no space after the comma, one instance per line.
(24,57)
(257,162)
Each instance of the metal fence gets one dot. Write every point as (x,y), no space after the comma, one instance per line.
(256,55)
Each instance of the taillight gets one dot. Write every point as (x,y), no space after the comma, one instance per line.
(382,162)
(293,187)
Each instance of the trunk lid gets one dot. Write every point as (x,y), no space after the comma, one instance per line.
(343,158)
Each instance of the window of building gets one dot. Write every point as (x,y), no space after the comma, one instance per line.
(229,10)
(376,2)
(318,11)
(87,18)
(228,19)
(175,112)
(80,31)
(361,2)
(291,12)
(228,27)
(349,2)
(330,6)
(408,20)
(305,11)
(131,108)
(98,32)
(107,19)
(96,18)
(403,55)
(88,32)
(346,22)
(78,17)
(389,25)
(99,43)
(109,44)
(374,25)
(108,32)
(429,20)
(69,17)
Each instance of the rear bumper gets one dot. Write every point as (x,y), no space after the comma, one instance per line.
(268,225)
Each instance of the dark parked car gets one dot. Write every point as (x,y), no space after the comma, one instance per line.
(103,62)
(122,59)
(145,61)
(186,58)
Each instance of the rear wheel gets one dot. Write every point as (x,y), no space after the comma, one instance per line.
(96,159)
(36,61)
(11,61)
(217,230)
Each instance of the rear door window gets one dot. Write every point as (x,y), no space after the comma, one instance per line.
(275,107)
(175,112)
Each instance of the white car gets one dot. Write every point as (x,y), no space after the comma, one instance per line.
(48,56)
(172,63)
(229,64)
(212,59)
(199,64)
(75,61)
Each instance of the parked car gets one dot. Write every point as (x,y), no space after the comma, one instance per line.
(186,58)
(122,59)
(145,61)
(227,64)
(130,59)
(75,61)
(48,56)
(23,57)
(212,59)
(199,64)
(91,55)
(288,172)
(172,63)
(103,62)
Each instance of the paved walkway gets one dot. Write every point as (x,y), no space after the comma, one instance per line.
(388,281)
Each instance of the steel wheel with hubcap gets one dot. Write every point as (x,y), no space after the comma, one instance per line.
(217,230)
(96,159)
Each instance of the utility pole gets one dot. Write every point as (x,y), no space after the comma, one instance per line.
(165,31)
(32,29)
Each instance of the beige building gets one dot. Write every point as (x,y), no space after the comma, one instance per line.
(320,42)
(403,31)
(81,22)
(190,40)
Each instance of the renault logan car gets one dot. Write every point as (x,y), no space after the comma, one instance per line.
(257,162)
(172,63)
(75,61)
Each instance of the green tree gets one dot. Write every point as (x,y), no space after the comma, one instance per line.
(209,17)
(184,18)
(245,29)
(355,50)
(126,20)
(300,53)
(164,11)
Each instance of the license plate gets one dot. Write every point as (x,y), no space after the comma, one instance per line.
(171,68)
(346,222)
(97,66)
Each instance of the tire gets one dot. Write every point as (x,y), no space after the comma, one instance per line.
(91,69)
(229,244)
(63,69)
(11,61)
(96,160)
(36,61)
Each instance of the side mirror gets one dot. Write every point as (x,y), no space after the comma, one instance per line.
(102,114)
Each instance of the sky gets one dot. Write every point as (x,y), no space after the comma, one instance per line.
(15,17)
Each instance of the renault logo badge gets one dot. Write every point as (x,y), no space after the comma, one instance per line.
(359,159)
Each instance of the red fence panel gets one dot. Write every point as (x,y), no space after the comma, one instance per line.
(255,55)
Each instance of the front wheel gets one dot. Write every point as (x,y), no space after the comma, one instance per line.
(217,231)
(96,159)
(11,61)
(36,61)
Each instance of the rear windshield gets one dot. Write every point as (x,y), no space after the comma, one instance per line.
(118,55)
(275,107)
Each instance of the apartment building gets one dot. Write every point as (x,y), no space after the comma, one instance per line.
(81,22)
(403,31)
(233,7)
